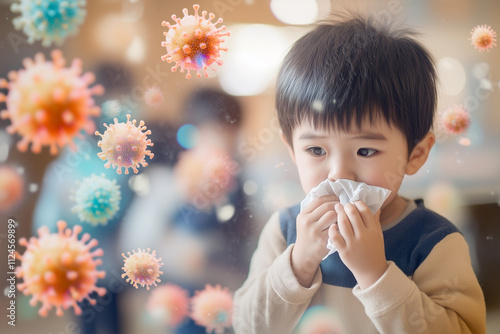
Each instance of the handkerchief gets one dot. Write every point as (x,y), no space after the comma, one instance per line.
(348,192)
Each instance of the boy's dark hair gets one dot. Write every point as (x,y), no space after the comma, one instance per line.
(348,70)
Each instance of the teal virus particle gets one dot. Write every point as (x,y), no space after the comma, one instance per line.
(50,21)
(97,199)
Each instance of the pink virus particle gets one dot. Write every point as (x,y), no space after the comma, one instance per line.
(49,104)
(49,20)
(142,268)
(125,145)
(59,270)
(212,308)
(11,188)
(194,42)
(483,38)
(319,320)
(97,199)
(455,120)
(153,96)
(170,304)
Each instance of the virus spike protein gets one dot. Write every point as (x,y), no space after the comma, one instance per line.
(59,270)
(48,104)
(142,268)
(125,145)
(194,42)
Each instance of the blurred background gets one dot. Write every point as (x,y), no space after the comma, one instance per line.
(211,241)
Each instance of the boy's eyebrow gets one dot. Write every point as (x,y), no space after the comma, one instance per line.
(364,135)
(310,135)
(369,135)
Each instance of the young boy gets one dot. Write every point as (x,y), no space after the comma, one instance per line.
(356,101)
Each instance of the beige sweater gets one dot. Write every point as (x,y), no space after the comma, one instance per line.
(441,296)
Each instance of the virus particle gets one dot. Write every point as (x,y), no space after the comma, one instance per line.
(483,38)
(125,145)
(153,97)
(212,308)
(111,108)
(97,199)
(455,120)
(142,268)
(59,270)
(205,174)
(49,20)
(194,42)
(170,304)
(11,187)
(319,320)
(49,104)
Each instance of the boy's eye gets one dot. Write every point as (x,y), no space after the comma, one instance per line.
(316,151)
(366,152)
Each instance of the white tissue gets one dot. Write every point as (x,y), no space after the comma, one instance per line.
(348,192)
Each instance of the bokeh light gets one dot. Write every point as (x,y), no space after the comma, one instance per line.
(451,75)
(295,11)
(188,136)
(256,52)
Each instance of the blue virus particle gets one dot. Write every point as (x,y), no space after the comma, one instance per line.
(50,21)
(97,199)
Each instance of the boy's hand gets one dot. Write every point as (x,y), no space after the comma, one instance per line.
(360,242)
(312,233)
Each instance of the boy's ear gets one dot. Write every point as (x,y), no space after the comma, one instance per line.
(420,153)
(288,146)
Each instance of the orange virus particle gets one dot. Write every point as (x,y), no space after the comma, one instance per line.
(142,268)
(455,120)
(483,38)
(213,308)
(49,104)
(11,187)
(153,97)
(169,303)
(125,145)
(59,270)
(194,42)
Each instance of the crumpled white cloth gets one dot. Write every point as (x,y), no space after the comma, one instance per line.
(348,192)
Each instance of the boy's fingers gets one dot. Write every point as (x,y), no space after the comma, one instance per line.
(325,209)
(354,217)
(336,237)
(366,214)
(318,201)
(344,225)
(329,218)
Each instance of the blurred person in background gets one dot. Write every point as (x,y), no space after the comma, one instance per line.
(213,215)
(195,213)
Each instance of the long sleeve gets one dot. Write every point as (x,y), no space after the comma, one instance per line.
(443,296)
(271,300)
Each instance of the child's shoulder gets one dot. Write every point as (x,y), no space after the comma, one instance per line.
(411,241)
(425,222)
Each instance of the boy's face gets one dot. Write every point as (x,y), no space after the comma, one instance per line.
(375,154)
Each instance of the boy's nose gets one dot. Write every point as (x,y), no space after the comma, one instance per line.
(341,170)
